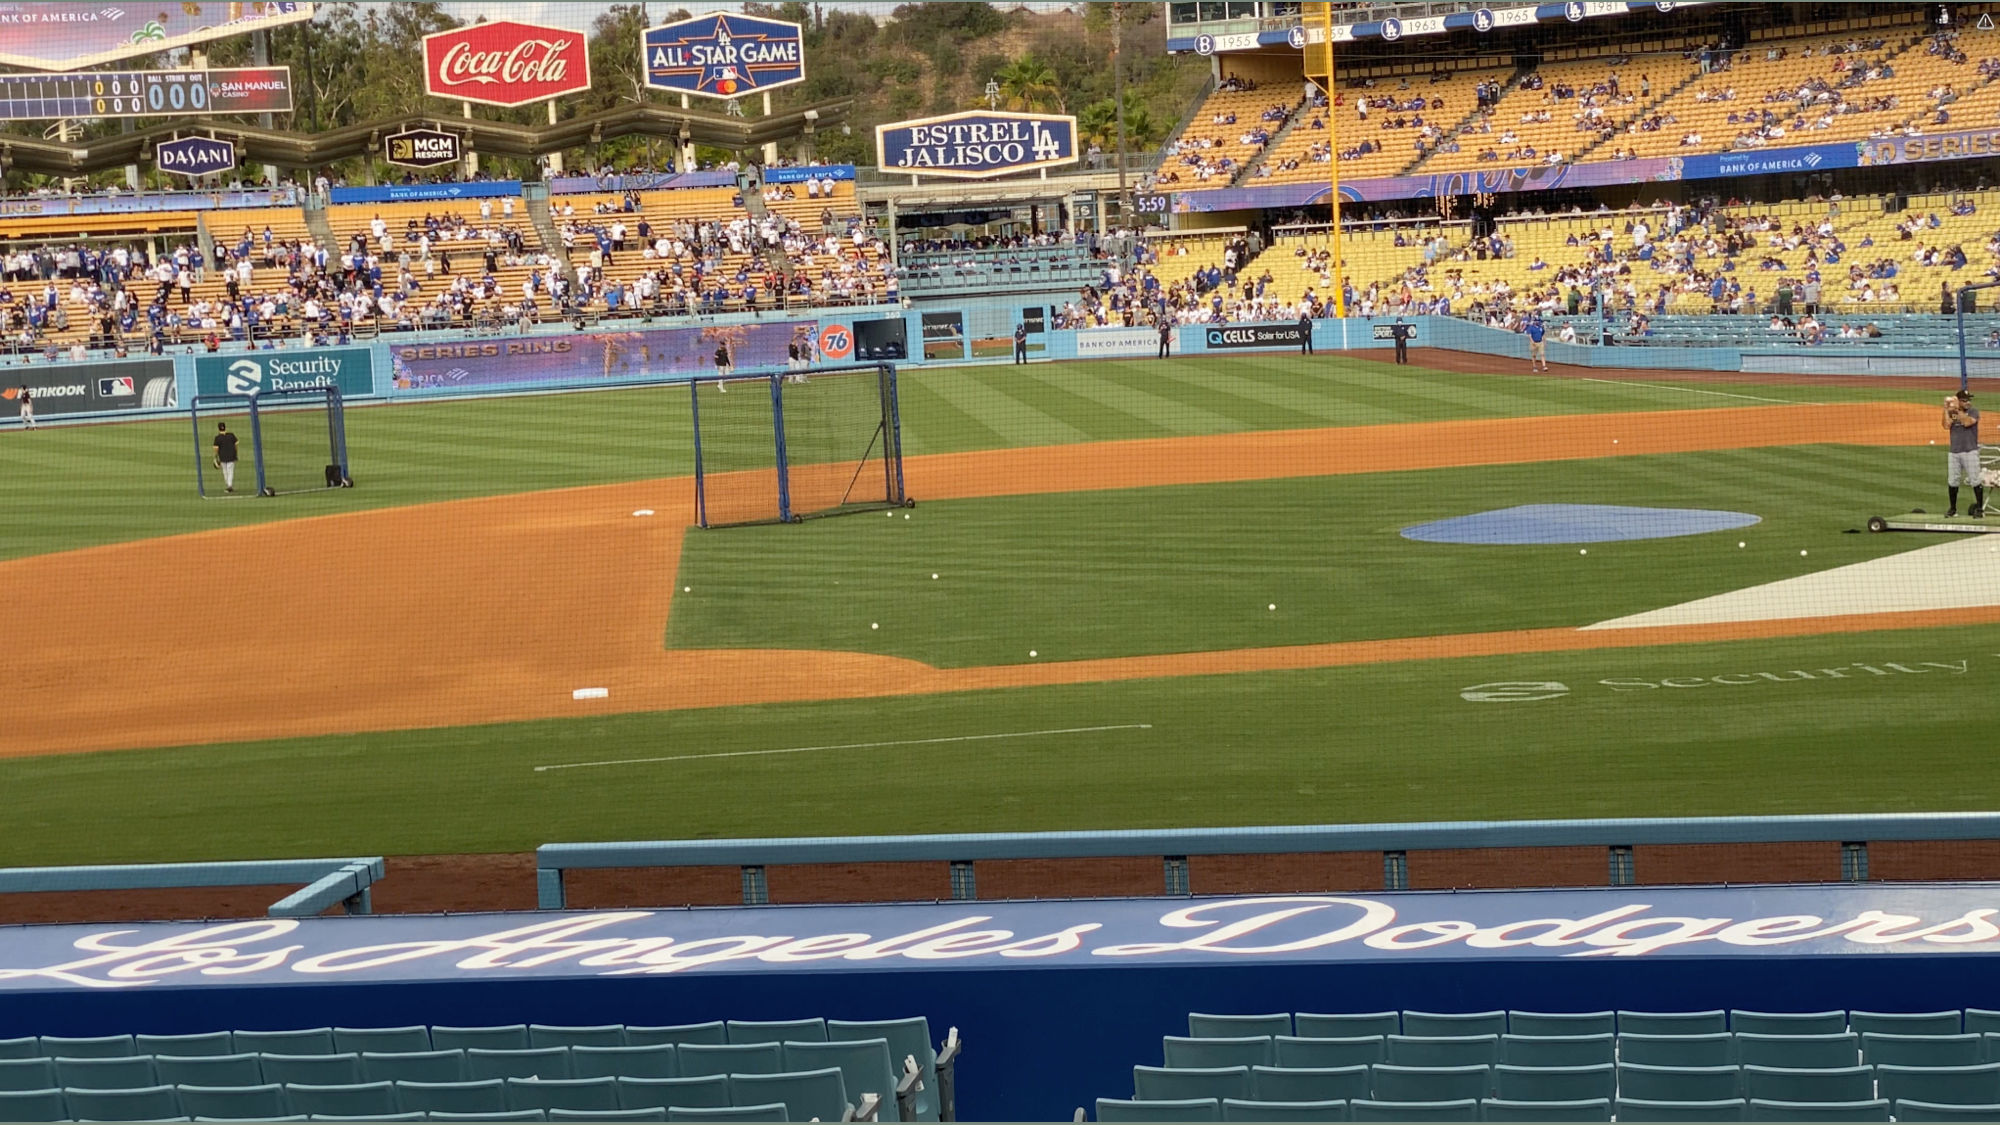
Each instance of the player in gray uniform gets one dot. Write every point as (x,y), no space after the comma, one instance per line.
(1961,418)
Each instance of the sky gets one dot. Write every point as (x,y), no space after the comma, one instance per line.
(578,14)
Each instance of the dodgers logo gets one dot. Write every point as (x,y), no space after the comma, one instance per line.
(1204,44)
(1392,29)
(1573,12)
(1482,20)
(1296,38)
(246,377)
(1664,5)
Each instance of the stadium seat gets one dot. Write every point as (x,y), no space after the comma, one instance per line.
(1455,1050)
(208,1070)
(1558,1050)
(345,1098)
(562,1093)
(1679,1083)
(496,1115)
(1310,1084)
(1923,1111)
(234,1103)
(25,1047)
(86,1047)
(806,1094)
(1672,1023)
(1561,1023)
(1787,1023)
(32,1105)
(1906,1023)
(382,1040)
(305,1041)
(1241,1050)
(1239,1109)
(701,1092)
(714,1032)
(1647,1109)
(908,1038)
(149,1103)
(864,1065)
(1555,1083)
(697,1059)
(413,1066)
(1444,1024)
(311,1070)
(1167,1084)
(1204,1026)
(1589,1109)
(1923,1050)
(773,1112)
(106,1074)
(547,1035)
(510,1037)
(1314,1025)
(1461,1109)
(184,1046)
(1867,1109)
(652,1061)
(1798,1051)
(366,1117)
(1394,1083)
(487,1096)
(1716,1049)
(653,1113)
(541,1062)
(1195,1109)
(27,1074)
(1979,1021)
(1363,1050)
(776,1031)
(1940,1085)
(1786,1084)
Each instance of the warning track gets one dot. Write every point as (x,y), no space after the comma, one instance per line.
(494,610)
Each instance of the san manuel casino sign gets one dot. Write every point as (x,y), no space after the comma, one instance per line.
(976,144)
(505,63)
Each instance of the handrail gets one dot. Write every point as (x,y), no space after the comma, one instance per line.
(328,881)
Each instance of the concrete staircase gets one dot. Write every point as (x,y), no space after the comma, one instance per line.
(773,257)
(322,231)
(545,225)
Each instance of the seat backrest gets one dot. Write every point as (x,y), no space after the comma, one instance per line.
(1679,1083)
(568,1093)
(1158,1083)
(1192,1109)
(532,1062)
(383,1040)
(1395,1083)
(776,1031)
(1438,1024)
(698,1092)
(864,1064)
(1310,1084)
(106,1074)
(656,1113)
(1906,1023)
(603,1035)
(1866,1109)
(1461,1109)
(1454,1050)
(86,1047)
(697,1059)
(1561,1023)
(806,1094)
(1715,1049)
(506,1037)
(1910,1110)
(317,1070)
(414,1066)
(1558,1050)
(772,1112)
(1317,1025)
(148,1103)
(1241,1050)
(1982,1020)
(488,1095)
(303,1041)
(1361,1050)
(1555,1083)
(712,1032)
(1943,1085)
(27,1074)
(1202,1025)
(344,1098)
(208,1070)
(32,1105)
(1842,1049)
(23,1047)
(1585,1109)
(1242,1109)
(239,1102)
(653,1061)
(1923,1050)
(1672,1023)
(1797,1084)
(1648,1109)
(1787,1023)
(183,1046)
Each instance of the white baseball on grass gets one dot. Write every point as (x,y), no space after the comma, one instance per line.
(1584,551)
(1802,554)
(874,624)
(1031,652)
(1741,544)
(933,577)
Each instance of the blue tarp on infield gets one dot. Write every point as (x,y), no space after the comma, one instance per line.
(1576,523)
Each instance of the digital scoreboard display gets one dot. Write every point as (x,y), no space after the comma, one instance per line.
(145,93)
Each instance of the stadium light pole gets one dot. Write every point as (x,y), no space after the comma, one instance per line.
(1321,60)
(1118,104)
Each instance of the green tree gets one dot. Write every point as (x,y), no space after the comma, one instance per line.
(1028,84)
(617,68)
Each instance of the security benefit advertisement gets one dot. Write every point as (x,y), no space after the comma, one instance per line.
(607,357)
(89,388)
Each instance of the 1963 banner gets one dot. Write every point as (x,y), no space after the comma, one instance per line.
(1618,922)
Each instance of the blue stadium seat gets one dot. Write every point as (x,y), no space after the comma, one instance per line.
(1202,1025)
(507,1037)
(656,1113)
(382,1040)
(1239,1109)
(1923,1050)
(345,1098)
(549,1035)
(234,1103)
(304,1041)
(27,1074)
(1440,1024)
(773,1112)
(652,1061)
(1940,1085)
(86,1047)
(1167,1084)
(864,1064)
(539,1062)
(413,1066)
(1679,1083)
(1867,1109)
(1906,1023)
(106,1074)
(1713,1049)
(25,1047)
(1316,1025)
(1787,1023)
(1197,1109)
(1558,1050)
(1979,1021)
(776,1031)
(1464,1109)
(1361,1050)
(1240,1050)
(1310,1084)
(1394,1083)
(184,1046)
(485,1096)
(1785,1084)
(1455,1050)
(1589,1109)
(1555,1083)
(697,1059)
(562,1093)
(32,1105)
(700,1092)
(1562,1023)
(806,1094)
(1672,1023)
(149,1103)
(208,1070)
(311,1070)
(1907,1110)
(1647,1109)
(713,1032)
(908,1038)
(1798,1051)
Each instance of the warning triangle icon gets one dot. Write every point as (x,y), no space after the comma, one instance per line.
(1985,21)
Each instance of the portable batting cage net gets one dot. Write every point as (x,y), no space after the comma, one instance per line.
(290,441)
(790,446)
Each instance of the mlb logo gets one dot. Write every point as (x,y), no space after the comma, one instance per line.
(116,387)
(726,82)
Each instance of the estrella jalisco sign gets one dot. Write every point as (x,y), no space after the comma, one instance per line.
(724,55)
(976,144)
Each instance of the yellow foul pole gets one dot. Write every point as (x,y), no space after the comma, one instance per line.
(1320,68)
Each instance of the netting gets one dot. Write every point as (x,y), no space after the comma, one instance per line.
(295,435)
(736,451)
(837,442)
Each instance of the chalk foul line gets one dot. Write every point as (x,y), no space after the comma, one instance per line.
(1700,391)
(846,746)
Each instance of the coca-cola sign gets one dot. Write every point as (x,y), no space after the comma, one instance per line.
(505,63)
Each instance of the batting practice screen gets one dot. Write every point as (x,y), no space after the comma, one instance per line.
(787,447)
(287,441)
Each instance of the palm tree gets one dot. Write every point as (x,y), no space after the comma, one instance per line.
(1029,84)
(1098,124)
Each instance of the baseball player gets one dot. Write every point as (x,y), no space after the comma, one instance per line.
(225,455)
(1961,420)
(1538,346)
(27,407)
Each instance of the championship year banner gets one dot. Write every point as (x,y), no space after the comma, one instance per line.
(601,358)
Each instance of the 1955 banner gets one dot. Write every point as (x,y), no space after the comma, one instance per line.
(976,144)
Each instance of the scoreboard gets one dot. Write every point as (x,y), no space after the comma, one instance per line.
(145,93)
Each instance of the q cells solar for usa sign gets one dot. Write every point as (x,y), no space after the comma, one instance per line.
(724,56)
(976,144)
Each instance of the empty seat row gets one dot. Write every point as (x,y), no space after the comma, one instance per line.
(1716,1049)
(804,1095)
(507,1037)
(1499,1022)
(1493,1109)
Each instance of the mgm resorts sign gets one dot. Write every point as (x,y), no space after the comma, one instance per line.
(421,148)
(976,144)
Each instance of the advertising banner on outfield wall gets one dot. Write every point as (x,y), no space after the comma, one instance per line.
(604,357)
(90,388)
(1221,337)
(1098,342)
(350,369)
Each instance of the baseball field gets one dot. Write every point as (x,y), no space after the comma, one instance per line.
(1133,593)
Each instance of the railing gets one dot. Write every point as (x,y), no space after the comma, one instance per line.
(1173,846)
(328,882)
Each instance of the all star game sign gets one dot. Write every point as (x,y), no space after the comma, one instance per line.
(724,55)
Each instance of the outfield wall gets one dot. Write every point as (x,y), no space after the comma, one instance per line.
(1056,1000)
